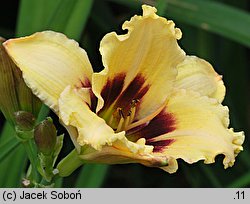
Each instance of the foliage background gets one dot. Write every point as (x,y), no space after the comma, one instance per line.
(218,31)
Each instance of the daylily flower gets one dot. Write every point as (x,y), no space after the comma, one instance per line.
(151,104)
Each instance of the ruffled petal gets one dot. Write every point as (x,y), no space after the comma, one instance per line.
(198,75)
(50,62)
(92,130)
(138,65)
(95,141)
(193,128)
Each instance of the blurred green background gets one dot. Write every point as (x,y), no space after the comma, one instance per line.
(218,31)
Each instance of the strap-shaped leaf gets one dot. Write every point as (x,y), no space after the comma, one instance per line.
(212,16)
(92,176)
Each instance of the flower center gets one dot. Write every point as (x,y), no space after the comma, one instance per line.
(121,118)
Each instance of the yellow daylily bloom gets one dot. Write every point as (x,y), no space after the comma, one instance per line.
(151,104)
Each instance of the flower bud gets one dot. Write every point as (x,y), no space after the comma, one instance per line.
(25,121)
(8,101)
(15,95)
(45,136)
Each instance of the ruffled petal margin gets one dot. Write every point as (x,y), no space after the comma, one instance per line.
(138,65)
(200,131)
(92,130)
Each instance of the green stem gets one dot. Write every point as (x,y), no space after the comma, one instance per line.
(47,171)
(69,164)
(29,148)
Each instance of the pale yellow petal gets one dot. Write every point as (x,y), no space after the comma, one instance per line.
(91,129)
(50,62)
(115,155)
(201,130)
(123,152)
(140,64)
(198,75)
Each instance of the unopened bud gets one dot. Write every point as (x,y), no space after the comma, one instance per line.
(8,100)
(25,121)
(45,136)
(15,95)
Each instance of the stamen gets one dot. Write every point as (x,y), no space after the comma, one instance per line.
(125,121)
(134,102)
(120,113)
(133,110)
(111,120)
(121,122)
(146,119)
(132,115)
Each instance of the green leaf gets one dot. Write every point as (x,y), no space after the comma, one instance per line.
(161,6)
(12,168)
(7,147)
(33,15)
(241,182)
(70,17)
(211,16)
(193,181)
(67,16)
(92,176)
(44,112)
(58,147)
(11,172)
(101,14)
(58,182)
(211,176)
(78,19)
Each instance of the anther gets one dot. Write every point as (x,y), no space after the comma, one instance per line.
(133,110)
(120,113)
(121,121)
(129,112)
(134,102)
(126,120)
